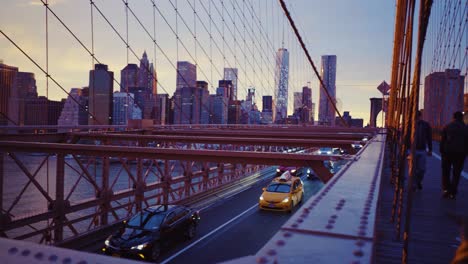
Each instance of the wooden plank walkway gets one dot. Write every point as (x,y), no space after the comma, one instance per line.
(435,228)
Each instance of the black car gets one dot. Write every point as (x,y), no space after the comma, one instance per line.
(144,235)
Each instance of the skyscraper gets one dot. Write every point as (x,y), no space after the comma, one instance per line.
(328,75)
(124,108)
(186,75)
(267,109)
(129,77)
(147,75)
(231,74)
(203,96)
(100,95)
(307,104)
(220,106)
(443,95)
(163,108)
(229,88)
(7,90)
(74,111)
(281,83)
(297,100)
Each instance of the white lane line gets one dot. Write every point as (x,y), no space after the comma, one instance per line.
(209,234)
(464,174)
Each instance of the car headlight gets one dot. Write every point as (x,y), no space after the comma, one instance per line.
(319,152)
(261,197)
(107,242)
(285,200)
(308,171)
(329,152)
(293,171)
(140,247)
(278,170)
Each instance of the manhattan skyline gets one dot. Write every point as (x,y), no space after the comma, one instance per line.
(367,29)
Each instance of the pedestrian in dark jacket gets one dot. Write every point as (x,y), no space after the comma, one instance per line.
(453,149)
(423,148)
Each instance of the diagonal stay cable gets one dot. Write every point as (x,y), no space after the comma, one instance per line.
(291,21)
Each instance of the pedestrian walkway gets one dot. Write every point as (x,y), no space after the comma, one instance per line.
(435,222)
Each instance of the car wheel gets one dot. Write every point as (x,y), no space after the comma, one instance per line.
(191,231)
(155,251)
(291,207)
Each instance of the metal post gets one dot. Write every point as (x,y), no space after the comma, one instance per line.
(2,217)
(105,205)
(59,198)
(139,191)
(165,182)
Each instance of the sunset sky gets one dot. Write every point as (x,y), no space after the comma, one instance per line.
(359,33)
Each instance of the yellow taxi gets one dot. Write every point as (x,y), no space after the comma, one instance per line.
(282,194)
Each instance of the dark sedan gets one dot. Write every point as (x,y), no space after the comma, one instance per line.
(144,235)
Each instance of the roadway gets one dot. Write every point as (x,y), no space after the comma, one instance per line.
(233,227)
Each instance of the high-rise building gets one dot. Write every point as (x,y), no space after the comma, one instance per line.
(147,75)
(41,111)
(145,100)
(307,104)
(328,75)
(297,100)
(186,74)
(100,95)
(26,85)
(267,103)
(443,95)
(281,83)
(203,96)
(8,110)
(124,108)
(267,109)
(129,77)
(162,109)
(220,106)
(229,88)
(231,74)
(75,109)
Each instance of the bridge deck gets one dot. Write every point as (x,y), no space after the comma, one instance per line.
(435,231)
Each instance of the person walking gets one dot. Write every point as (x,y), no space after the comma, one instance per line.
(423,148)
(453,149)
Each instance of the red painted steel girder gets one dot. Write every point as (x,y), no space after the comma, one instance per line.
(240,157)
(48,137)
(221,140)
(265,134)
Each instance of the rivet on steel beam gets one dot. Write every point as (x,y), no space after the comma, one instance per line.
(334,216)
(53,258)
(358,253)
(25,252)
(299,220)
(294,225)
(287,234)
(271,252)
(360,243)
(362,233)
(280,243)
(39,256)
(329,227)
(13,250)
(67,261)
(262,260)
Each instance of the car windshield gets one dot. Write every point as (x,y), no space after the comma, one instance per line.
(146,220)
(279,187)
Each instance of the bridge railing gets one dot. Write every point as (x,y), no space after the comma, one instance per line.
(55,194)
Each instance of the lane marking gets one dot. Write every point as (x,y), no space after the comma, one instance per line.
(464,174)
(209,234)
